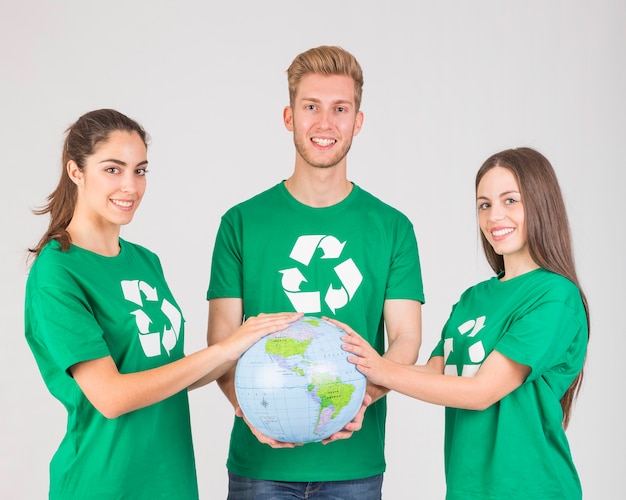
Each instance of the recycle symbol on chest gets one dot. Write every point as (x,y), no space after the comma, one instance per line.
(475,351)
(347,273)
(158,323)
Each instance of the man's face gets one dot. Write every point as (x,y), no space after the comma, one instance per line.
(323,119)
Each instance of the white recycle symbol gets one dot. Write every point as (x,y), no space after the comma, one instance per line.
(347,272)
(476,351)
(151,342)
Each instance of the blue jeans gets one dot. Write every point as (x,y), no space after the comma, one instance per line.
(243,488)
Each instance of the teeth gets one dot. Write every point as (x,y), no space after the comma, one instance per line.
(502,232)
(323,142)
(121,203)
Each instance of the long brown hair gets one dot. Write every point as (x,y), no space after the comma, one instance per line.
(82,139)
(547,226)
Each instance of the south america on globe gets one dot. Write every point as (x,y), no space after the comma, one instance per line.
(297,385)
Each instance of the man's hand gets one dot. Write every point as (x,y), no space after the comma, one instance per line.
(262,437)
(354,425)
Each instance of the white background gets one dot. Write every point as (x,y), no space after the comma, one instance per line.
(447,84)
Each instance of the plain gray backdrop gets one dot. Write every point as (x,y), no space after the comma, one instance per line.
(447,84)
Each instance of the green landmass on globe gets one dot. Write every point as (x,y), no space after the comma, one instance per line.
(332,392)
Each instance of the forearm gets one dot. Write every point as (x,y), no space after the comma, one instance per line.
(227,384)
(225,316)
(214,375)
(421,383)
(497,377)
(401,352)
(404,339)
(115,394)
(159,383)
(403,321)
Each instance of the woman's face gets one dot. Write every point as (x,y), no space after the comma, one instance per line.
(113,182)
(501,214)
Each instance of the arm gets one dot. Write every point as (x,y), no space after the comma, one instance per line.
(114,394)
(403,322)
(497,377)
(225,317)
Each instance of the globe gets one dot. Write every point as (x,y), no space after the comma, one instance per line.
(297,385)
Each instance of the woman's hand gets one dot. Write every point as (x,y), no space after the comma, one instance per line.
(366,358)
(254,328)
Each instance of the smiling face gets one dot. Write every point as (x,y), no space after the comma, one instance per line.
(323,119)
(113,182)
(501,215)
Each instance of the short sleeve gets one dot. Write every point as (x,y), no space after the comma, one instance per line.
(405,274)
(62,322)
(227,262)
(550,336)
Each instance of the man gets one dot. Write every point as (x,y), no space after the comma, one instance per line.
(317,243)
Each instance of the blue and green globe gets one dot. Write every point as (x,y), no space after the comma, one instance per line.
(297,385)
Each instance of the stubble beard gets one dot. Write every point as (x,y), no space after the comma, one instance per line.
(337,158)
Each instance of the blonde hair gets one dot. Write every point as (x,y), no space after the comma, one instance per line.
(325,60)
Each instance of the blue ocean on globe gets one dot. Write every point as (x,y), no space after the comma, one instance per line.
(296,385)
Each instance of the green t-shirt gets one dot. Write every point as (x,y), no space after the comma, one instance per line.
(516,448)
(82,306)
(341,261)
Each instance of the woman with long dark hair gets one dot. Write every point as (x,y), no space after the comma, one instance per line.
(510,360)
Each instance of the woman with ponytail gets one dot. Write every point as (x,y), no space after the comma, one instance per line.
(106,332)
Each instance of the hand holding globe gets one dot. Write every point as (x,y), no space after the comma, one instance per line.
(296,385)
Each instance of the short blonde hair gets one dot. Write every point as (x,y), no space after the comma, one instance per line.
(325,60)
